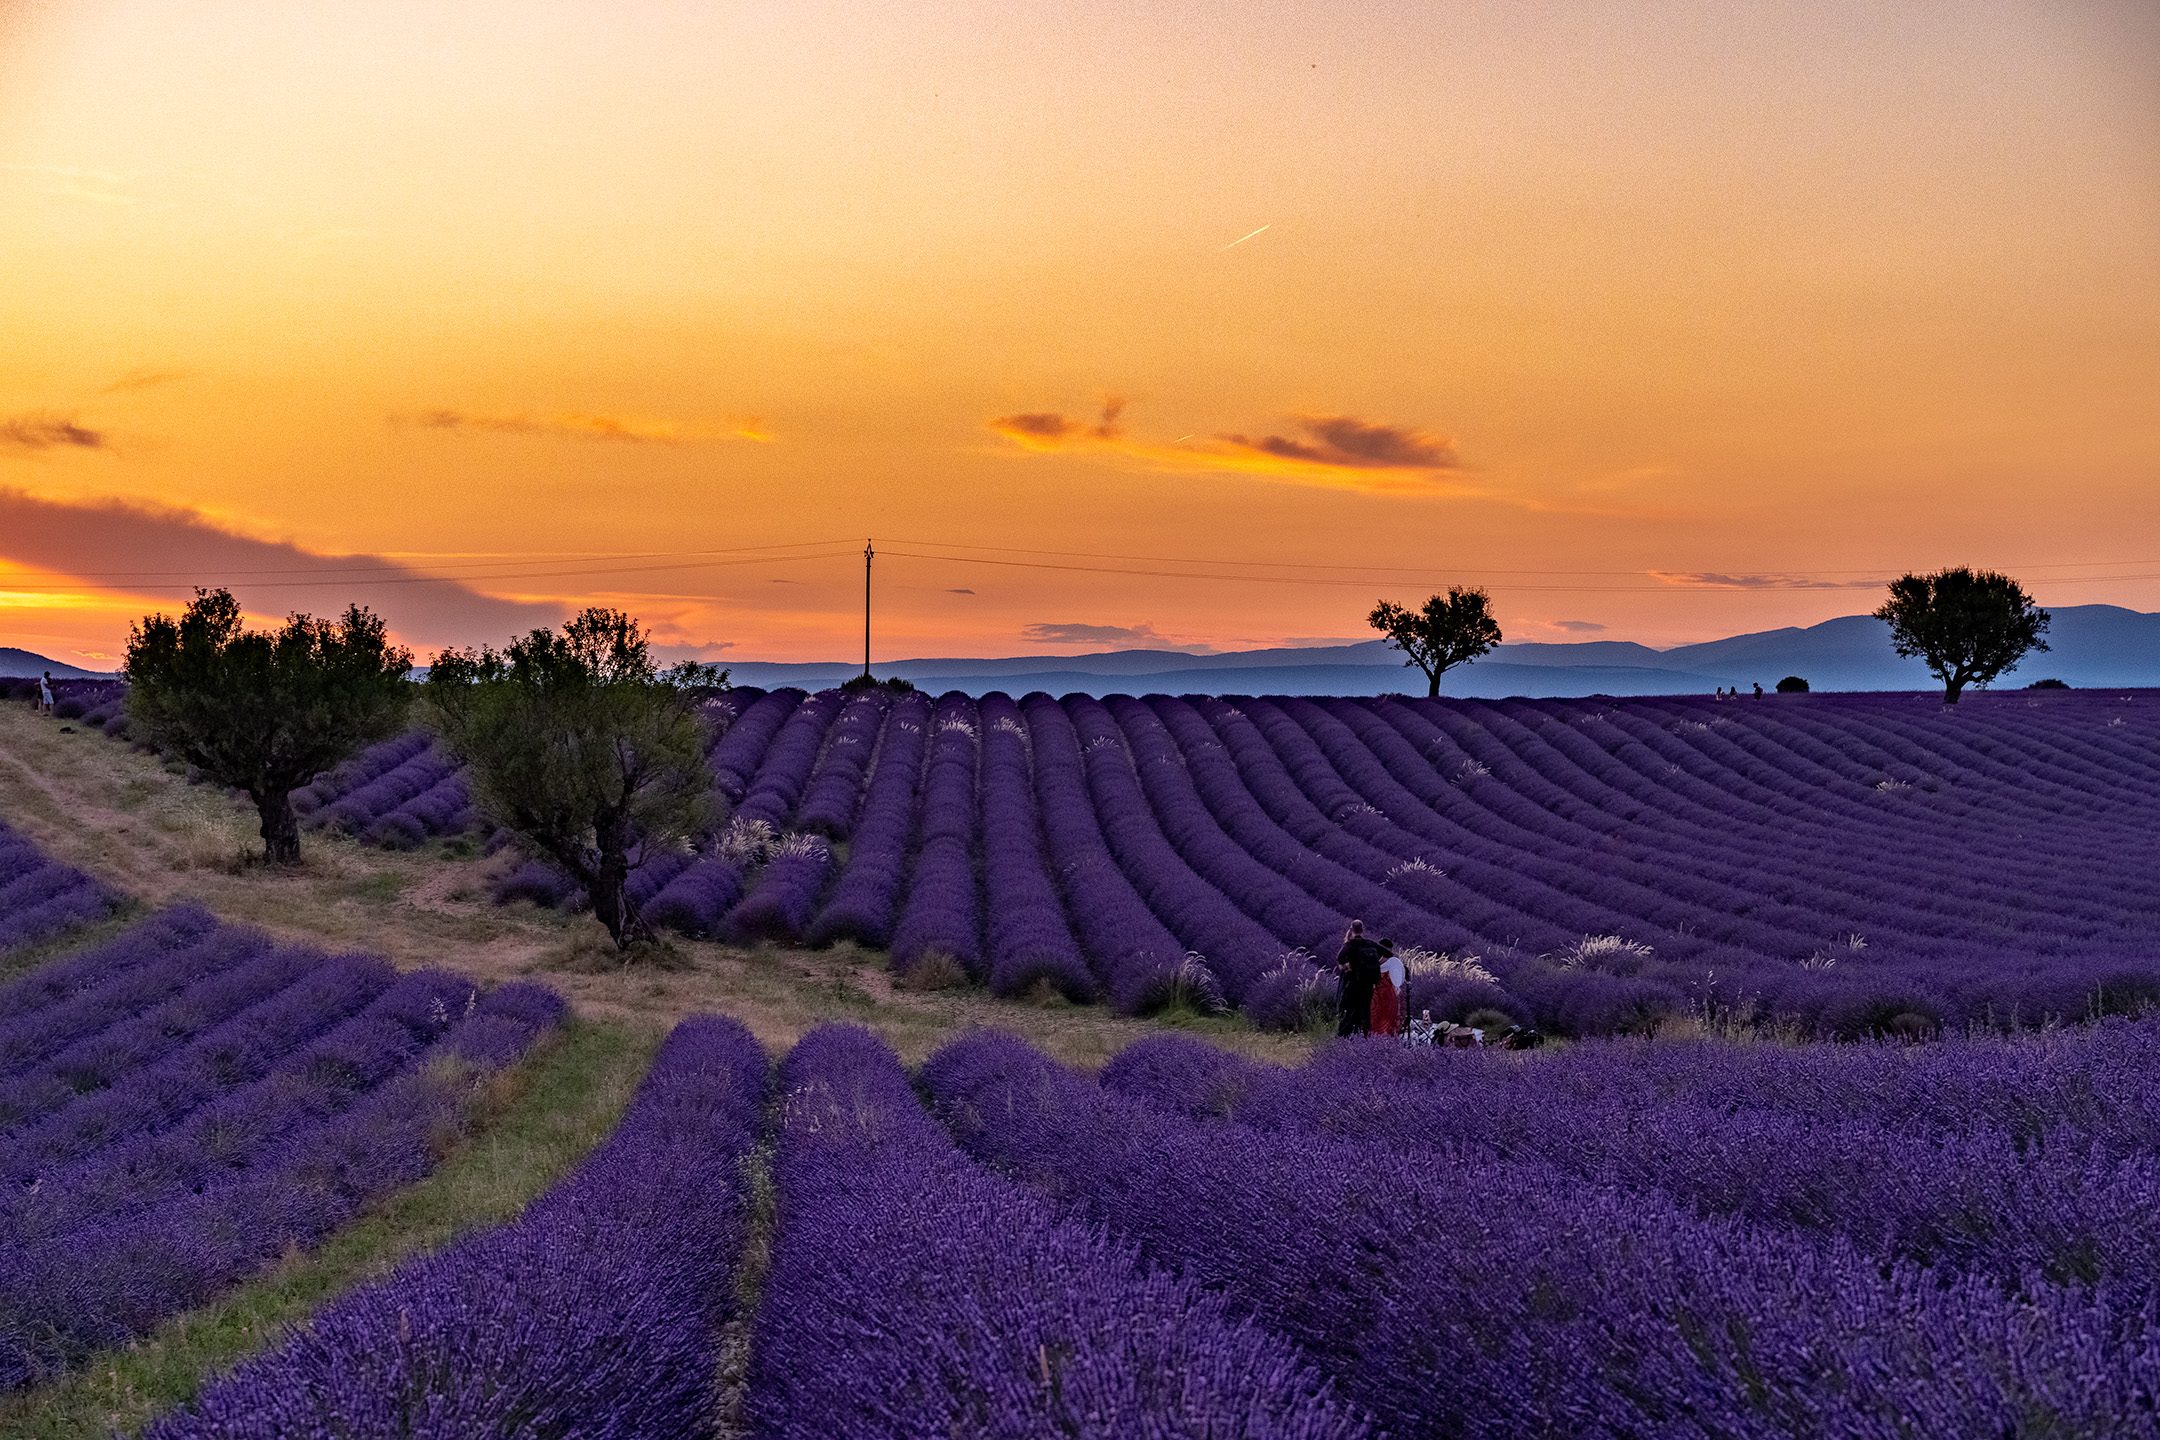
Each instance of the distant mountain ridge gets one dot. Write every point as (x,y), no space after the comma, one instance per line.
(2092,645)
(28,665)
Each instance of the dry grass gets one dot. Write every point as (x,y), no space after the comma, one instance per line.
(128,819)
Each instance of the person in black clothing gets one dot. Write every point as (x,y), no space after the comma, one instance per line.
(1358,965)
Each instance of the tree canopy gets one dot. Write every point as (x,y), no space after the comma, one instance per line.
(1450,630)
(584,749)
(1970,626)
(264,711)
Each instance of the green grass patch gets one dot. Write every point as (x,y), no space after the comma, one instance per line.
(534,1122)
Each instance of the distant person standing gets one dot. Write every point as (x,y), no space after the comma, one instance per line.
(1387,1000)
(1758,689)
(45,695)
(1358,963)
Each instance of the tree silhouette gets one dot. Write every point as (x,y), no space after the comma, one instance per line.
(583,749)
(1970,626)
(1453,629)
(264,711)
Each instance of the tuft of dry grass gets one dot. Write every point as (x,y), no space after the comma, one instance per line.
(935,971)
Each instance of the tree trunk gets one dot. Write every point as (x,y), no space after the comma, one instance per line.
(1951,690)
(610,892)
(280,827)
(1433,692)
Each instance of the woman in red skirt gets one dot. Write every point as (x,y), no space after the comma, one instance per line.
(1387,996)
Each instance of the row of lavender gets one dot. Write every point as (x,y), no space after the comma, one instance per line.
(910,1292)
(1379,1242)
(1838,864)
(40,897)
(1461,1274)
(189,1100)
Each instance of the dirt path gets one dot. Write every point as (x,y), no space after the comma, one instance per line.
(129,820)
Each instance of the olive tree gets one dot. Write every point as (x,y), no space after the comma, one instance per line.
(583,749)
(264,711)
(1970,626)
(1451,629)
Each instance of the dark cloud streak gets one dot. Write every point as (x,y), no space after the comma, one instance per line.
(145,380)
(1358,444)
(34,434)
(163,554)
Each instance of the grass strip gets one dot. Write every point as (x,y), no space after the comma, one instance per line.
(533,1122)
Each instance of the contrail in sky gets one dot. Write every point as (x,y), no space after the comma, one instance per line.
(1242,238)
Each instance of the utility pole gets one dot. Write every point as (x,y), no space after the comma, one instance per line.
(868,555)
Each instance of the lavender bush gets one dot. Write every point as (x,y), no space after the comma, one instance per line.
(40,897)
(1455,1293)
(202,1100)
(595,1313)
(913,1293)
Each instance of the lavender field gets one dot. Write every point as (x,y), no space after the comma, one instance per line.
(1836,865)
(1674,1239)
(190,1100)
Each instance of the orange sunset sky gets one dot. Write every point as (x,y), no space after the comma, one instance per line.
(1194,325)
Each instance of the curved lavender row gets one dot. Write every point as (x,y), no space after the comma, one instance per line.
(444,808)
(1291,915)
(863,900)
(1263,811)
(1141,964)
(236,1124)
(140,968)
(740,749)
(138,1037)
(1982,1199)
(369,765)
(698,897)
(359,808)
(913,1294)
(88,1265)
(1675,910)
(1941,980)
(779,907)
(1030,941)
(40,897)
(219,1061)
(781,902)
(60,981)
(943,912)
(1297,794)
(594,1313)
(1516,1295)
(1238,950)
(784,769)
(835,791)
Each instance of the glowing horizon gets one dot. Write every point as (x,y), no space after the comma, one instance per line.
(1664,323)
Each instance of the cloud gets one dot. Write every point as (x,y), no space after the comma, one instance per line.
(145,379)
(707,653)
(1717,580)
(1360,444)
(30,434)
(1066,633)
(959,592)
(1337,450)
(580,426)
(1580,626)
(162,553)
